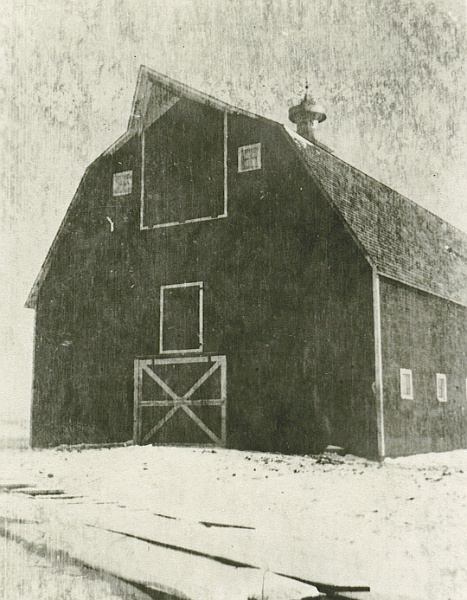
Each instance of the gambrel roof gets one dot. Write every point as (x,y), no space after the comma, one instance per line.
(402,240)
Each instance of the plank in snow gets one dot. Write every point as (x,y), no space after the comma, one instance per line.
(270,551)
(241,548)
(33,491)
(181,574)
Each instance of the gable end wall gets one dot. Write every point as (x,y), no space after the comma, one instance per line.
(288,300)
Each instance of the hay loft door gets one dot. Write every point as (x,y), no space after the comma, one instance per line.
(180,400)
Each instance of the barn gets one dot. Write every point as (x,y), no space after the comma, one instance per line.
(222,279)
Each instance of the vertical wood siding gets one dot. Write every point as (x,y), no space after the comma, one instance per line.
(287,298)
(428,335)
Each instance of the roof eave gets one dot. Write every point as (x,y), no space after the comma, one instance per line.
(420,288)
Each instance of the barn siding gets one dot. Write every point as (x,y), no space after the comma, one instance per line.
(287,298)
(428,335)
(339,359)
(82,380)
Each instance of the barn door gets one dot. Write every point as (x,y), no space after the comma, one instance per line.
(180,401)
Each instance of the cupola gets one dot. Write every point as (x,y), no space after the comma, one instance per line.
(307,115)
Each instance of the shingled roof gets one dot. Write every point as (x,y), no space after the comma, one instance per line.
(403,240)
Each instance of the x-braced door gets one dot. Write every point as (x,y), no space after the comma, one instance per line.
(180,400)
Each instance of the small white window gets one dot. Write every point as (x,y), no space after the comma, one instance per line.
(406,384)
(441,390)
(122,183)
(249,158)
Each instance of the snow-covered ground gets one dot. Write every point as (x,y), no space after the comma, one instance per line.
(14,433)
(399,527)
(26,575)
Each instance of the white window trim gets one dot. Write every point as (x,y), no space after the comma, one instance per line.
(404,372)
(240,166)
(198,220)
(121,173)
(161,323)
(441,377)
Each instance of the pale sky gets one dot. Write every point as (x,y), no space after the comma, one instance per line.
(391,74)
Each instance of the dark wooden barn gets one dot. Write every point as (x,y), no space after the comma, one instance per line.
(221,279)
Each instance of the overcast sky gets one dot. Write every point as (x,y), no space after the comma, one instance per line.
(391,74)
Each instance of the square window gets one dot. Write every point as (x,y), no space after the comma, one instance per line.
(441,387)
(406,384)
(122,183)
(181,318)
(249,158)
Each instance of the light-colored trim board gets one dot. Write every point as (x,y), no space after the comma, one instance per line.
(379,393)
(201,316)
(226,171)
(137,410)
(144,228)
(165,403)
(141,205)
(184,360)
(420,288)
(198,284)
(186,284)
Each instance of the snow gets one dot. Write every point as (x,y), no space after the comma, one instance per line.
(13,433)
(399,527)
(29,576)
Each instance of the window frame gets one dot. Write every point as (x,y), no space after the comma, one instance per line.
(241,149)
(116,195)
(402,374)
(441,377)
(200,318)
